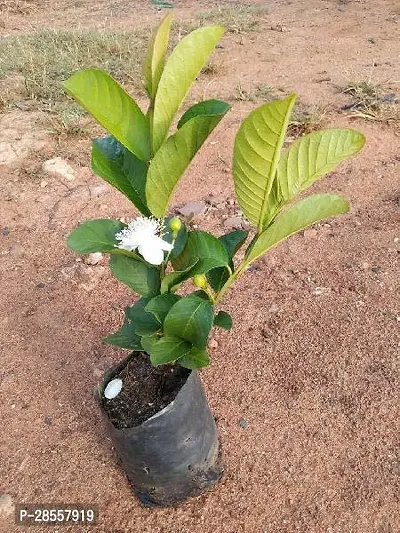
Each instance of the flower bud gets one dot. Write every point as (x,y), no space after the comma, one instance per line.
(200,281)
(175,225)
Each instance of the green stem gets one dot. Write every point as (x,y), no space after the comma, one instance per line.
(229,282)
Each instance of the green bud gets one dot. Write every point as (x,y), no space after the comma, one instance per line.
(175,224)
(200,281)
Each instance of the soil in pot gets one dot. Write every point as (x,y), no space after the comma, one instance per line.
(146,390)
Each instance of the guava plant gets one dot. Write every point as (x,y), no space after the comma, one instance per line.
(155,253)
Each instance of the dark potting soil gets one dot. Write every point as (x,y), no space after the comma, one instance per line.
(145,391)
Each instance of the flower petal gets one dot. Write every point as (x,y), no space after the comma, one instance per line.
(152,252)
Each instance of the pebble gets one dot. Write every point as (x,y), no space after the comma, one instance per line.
(213,343)
(47,420)
(233,223)
(59,167)
(310,234)
(99,189)
(6,505)
(17,250)
(43,184)
(321,290)
(193,208)
(93,258)
(221,205)
(215,199)
(274,308)
(243,423)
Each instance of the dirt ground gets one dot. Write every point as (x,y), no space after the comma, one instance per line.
(305,387)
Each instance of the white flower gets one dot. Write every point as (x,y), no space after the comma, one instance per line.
(143,234)
(113,389)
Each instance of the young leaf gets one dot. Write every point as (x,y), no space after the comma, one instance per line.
(208,250)
(125,337)
(155,58)
(308,211)
(160,305)
(122,169)
(311,157)
(148,342)
(223,320)
(95,236)
(172,159)
(167,350)
(138,276)
(182,68)
(195,359)
(191,318)
(256,155)
(180,240)
(217,277)
(172,280)
(113,108)
(207,107)
(145,323)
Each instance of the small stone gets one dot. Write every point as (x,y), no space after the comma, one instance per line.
(17,250)
(320,290)
(195,209)
(43,184)
(113,389)
(98,189)
(233,223)
(213,344)
(231,202)
(40,285)
(376,269)
(5,232)
(6,505)
(274,308)
(47,420)
(59,167)
(396,239)
(222,205)
(215,199)
(310,234)
(98,372)
(93,258)
(243,423)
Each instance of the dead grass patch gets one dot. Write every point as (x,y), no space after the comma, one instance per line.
(236,18)
(306,119)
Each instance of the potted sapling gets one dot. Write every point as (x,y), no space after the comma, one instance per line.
(153,400)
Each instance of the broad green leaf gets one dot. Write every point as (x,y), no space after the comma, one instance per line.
(160,305)
(180,240)
(167,350)
(308,211)
(191,318)
(258,145)
(196,358)
(125,337)
(155,58)
(207,107)
(145,323)
(223,320)
(138,276)
(95,236)
(208,250)
(217,277)
(172,280)
(148,342)
(113,108)
(181,69)
(122,169)
(172,159)
(311,157)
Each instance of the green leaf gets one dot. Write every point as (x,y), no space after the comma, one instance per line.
(155,58)
(191,318)
(311,157)
(172,280)
(125,337)
(145,323)
(217,277)
(149,342)
(182,68)
(180,240)
(138,276)
(195,359)
(95,236)
(256,155)
(167,350)
(223,320)
(209,251)
(122,169)
(172,159)
(207,107)
(104,99)
(160,305)
(308,211)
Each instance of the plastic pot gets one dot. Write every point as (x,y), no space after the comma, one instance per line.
(172,455)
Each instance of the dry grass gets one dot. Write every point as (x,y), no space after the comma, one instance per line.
(236,18)
(372,101)
(306,119)
(17,7)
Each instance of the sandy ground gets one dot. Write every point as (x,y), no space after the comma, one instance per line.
(312,363)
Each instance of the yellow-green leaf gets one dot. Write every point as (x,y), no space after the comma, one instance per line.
(155,58)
